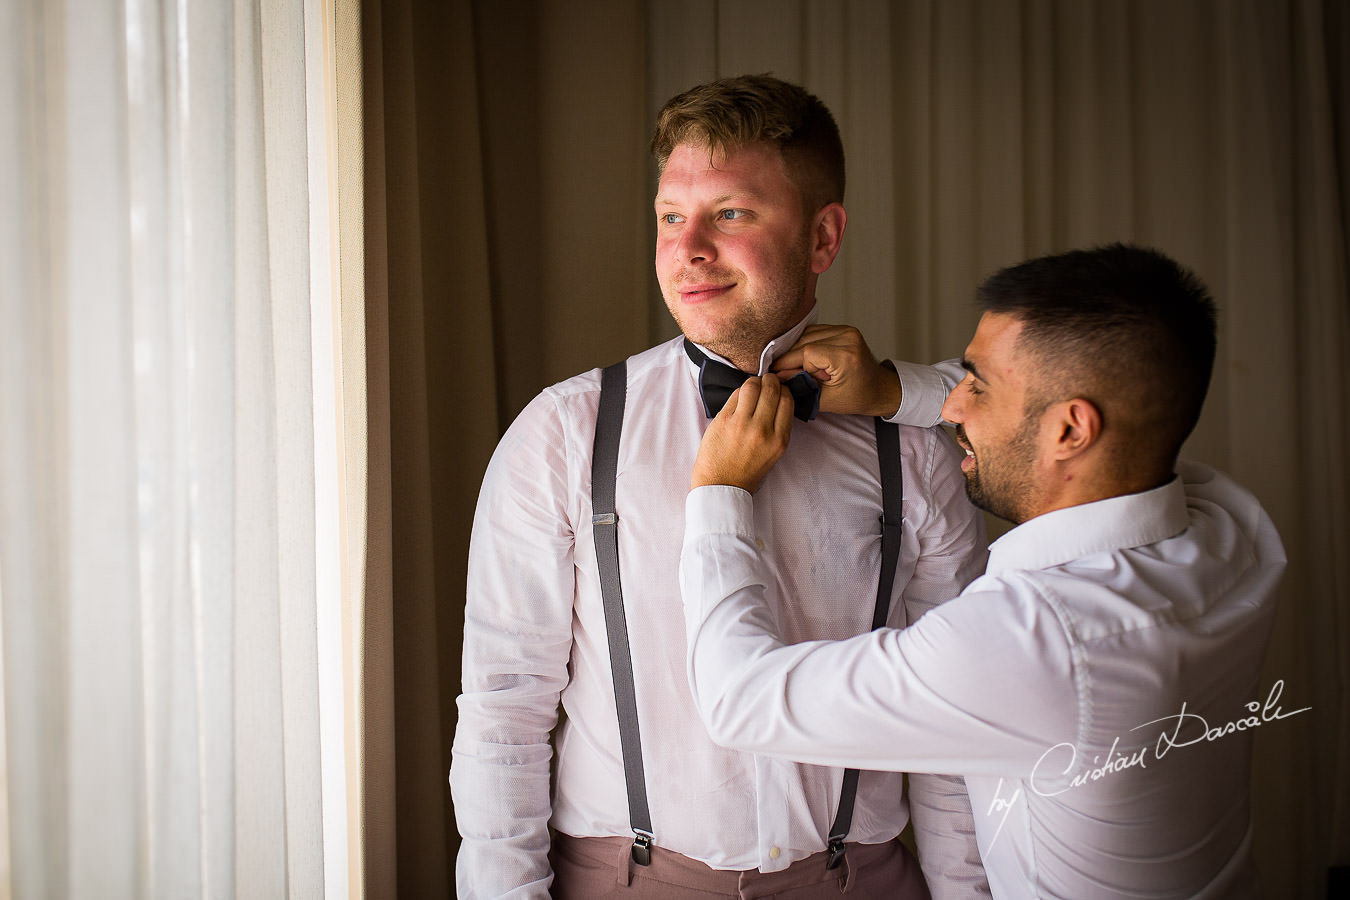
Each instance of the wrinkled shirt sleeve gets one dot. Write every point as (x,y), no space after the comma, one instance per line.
(972,688)
(944,833)
(517,640)
(952,554)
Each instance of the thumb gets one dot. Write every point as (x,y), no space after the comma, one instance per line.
(729,408)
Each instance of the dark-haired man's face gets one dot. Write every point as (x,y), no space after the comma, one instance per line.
(988,409)
(733,249)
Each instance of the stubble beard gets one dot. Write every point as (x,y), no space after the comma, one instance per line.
(758,319)
(1005,490)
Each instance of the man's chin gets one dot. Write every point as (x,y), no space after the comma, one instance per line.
(980,501)
(699,327)
(977,497)
(974,496)
(719,339)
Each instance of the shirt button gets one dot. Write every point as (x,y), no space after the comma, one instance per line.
(760,545)
(774,853)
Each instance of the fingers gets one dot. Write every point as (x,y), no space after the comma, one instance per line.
(774,413)
(740,406)
(733,403)
(747,437)
(790,363)
(787,410)
(814,333)
(757,401)
(770,399)
(816,338)
(827,352)
(852,381)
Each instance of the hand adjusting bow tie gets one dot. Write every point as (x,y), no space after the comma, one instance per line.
(717,380)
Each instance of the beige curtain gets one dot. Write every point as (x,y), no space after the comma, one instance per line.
(509,198)
(415,282)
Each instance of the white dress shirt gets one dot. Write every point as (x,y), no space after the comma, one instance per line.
(1054,683)
(535,633)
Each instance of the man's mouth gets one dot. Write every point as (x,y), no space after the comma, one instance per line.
(965,445)
(696,292)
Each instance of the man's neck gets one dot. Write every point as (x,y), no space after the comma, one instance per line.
(1088,484)
(756,361)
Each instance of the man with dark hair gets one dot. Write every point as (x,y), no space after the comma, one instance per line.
(573,590)
(1099,685)
(1140,350)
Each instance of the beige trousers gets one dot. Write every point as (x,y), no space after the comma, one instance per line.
(586,868)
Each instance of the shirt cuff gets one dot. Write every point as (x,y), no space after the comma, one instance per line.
(719,509)
(922,394)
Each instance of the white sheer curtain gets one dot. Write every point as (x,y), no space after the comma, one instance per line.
(171,658)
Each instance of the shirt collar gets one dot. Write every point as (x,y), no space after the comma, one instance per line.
(1116,523)
(772,350)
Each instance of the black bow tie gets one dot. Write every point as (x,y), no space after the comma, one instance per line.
(717,380)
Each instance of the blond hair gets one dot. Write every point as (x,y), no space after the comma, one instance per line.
(724,115)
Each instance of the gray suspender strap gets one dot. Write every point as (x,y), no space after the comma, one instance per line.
(605,524)
(892,497)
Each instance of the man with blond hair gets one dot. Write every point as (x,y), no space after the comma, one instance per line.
(573,590)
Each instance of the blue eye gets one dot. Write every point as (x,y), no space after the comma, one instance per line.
(733,213)
(671,218)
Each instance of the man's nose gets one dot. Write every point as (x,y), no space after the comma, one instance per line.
(696,243)
(951,407)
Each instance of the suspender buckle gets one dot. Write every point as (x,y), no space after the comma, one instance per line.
(642,848)
(837,851)
(605,519)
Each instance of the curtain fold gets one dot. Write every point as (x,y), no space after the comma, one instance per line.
(420,269)
(158,552)
(362,450)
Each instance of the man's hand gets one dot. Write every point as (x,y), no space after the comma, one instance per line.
(851,380)
(748,436)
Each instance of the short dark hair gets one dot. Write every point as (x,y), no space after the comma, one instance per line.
(730,113)
(1123,326)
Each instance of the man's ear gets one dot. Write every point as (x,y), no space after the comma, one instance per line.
(827,231)
(1078,426)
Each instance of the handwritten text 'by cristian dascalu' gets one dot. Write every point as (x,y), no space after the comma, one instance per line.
(1198,730)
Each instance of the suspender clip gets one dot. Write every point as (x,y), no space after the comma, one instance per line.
(837,851)
(642,848)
